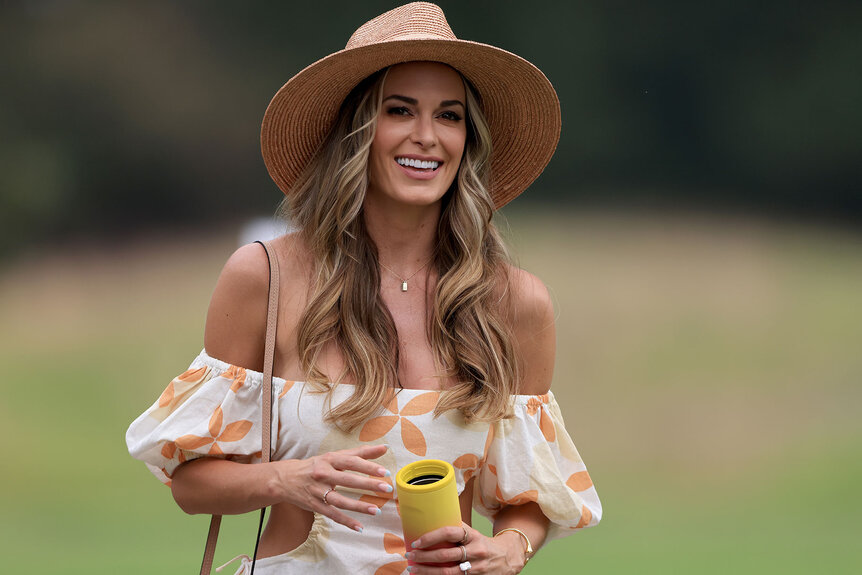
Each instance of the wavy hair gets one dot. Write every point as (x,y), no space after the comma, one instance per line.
(468,327)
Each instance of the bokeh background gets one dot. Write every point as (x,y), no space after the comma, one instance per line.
(700,228)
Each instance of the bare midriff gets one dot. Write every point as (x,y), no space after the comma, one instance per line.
(288,526)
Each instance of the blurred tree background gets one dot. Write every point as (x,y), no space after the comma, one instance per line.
(129,115)
(700,229)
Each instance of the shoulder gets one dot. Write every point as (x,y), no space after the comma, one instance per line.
(530,300)
(246,269)
(532,322)
(236,319)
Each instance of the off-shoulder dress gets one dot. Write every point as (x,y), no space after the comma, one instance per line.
(213,409)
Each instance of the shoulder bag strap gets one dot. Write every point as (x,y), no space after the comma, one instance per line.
(266,407)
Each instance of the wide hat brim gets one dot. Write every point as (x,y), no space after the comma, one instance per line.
(519,103)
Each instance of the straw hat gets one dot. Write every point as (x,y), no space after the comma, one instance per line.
(520,104)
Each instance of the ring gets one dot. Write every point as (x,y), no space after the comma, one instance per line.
(464,539)
(465,566)
(328,491)
(464,557)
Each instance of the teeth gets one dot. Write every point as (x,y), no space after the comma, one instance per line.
(423,165)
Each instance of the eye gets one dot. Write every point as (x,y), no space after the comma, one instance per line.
(398,111)
(450,115)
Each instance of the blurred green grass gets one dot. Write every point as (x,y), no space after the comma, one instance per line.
(709,369)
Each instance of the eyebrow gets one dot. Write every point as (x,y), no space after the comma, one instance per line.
(414,101)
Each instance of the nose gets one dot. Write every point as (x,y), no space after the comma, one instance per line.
(424,132)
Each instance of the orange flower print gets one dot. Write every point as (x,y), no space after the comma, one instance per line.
(287,386)
(189,376)
(395,546)
(237,374)
(537,404)
(470,463)
(178,390)
(411,436)
(520,499)
(579,481)
(231,432)
(169,450)
(586,517)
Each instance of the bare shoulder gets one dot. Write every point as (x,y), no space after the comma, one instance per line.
(531,301)
(236,319)
(532,316)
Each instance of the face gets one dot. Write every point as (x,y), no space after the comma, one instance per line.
(421,131)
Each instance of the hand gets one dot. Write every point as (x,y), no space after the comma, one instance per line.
(501,555)
(304,482)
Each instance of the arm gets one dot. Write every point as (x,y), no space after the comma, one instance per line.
(535,343)
(235,331)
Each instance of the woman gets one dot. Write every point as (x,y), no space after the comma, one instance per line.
(410,333)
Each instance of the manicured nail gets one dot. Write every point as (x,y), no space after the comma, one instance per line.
(374,510)
(387,473)
(411,569)
(385,487)
(409,556)
(415,544)
(358,529)
(386,445)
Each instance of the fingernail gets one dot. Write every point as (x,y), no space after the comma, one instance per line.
(358,529)
(409,556)
(374,510)
(411,569)
(385,487)
(387,473)
(415,544)
(386,445)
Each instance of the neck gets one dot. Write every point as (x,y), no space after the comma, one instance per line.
(405,238)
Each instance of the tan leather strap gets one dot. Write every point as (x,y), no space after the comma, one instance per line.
(209,550)
(266,406)
(269,354)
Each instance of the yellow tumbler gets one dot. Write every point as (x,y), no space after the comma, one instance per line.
(427,499)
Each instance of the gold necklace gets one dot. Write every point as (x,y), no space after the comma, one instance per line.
(405,280)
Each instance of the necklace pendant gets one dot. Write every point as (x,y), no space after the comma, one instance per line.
(404,286)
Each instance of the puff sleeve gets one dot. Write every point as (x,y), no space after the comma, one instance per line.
(212,409)
(531,457)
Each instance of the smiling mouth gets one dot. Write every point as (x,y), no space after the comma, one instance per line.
(427,165)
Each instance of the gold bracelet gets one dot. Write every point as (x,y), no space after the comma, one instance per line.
(528,552)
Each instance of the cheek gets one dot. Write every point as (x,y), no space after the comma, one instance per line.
(459,138)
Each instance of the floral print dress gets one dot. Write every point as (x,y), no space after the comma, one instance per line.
(213,409)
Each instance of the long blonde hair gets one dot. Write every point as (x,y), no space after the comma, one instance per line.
(467,328)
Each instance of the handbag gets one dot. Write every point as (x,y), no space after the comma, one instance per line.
(266,409)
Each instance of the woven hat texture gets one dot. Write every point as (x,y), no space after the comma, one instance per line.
(519,102)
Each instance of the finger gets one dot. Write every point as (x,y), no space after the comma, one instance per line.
(347,479)
(334,469)
(333,513)
(352,462)
(365,451)
(434,570)
(449,534)
(446,555)
(336,499)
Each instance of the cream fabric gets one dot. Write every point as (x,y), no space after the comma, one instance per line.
(213,409)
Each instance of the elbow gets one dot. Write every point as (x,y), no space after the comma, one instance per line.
(183,493)
(184,503)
